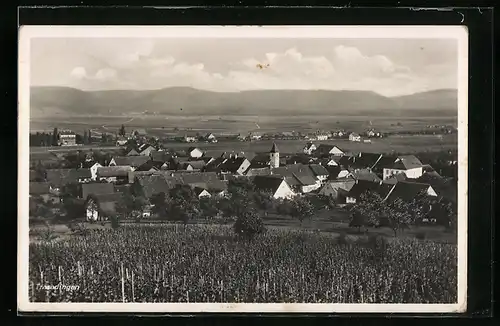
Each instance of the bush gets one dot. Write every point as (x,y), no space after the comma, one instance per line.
(115,222)
(378,245)
(342,239)
(248,225)
(420,235)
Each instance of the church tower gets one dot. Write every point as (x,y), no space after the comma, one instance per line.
(274,156)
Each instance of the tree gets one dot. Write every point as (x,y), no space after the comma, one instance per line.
(122,131)
(184,205)
(367,211)
(248,225)
(263,199)
(302,209)
(55,137)
(85,139)
(89,134)
(399,215)
(160,203)
(70,190)
(131,205)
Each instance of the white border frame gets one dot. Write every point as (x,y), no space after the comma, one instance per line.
(26,33)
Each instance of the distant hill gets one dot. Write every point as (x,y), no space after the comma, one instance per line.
(47,101)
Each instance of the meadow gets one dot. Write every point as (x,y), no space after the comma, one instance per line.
(165,263)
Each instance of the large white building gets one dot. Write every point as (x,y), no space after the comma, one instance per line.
(67,138)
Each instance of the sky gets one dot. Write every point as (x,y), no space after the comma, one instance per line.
(390,67)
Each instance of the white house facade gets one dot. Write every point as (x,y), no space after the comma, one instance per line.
(283,191)
(414,173)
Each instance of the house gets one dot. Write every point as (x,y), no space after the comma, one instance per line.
(210,138)
(92,166)
(145,149)
(252,172)
(372,133)
(121,141)
(100,207)
(118,173)
(206,180)
(97,188)
(132,152)
(255,136)
(395,178)
(195,152)
(154,184)
(59,177)
(362,186)
(275,184)
(299,177)
(363,174)
(67,138)
(190,138)
(326,150)
(335,187)
(132,161)
(409,165)
(364,160)
(320,172)
(309,148)
(151,166)
(235,165)
(138,133)
(321,136)
(82,175)
(195,165)
(354,137)
(407,191)
(201,193)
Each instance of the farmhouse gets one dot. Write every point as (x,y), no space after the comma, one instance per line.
(194,152)
(325,150)
(364,160)
(363,174)
(407,191)
(409,165)
(309,148)
(201,193)
(320,172)
(190,138)
(210,138)
(100,207)
(197,165)
(132,161)
(237,165)
(67,138)
(121,141)
(354,137)
(361,187)
(152,166)
(278,187)
(251,172)
(138,133)
(332,187)
(92,166)
(145,150)
(117,173)
(132,152)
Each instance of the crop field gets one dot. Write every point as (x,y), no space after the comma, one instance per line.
(208,264)
(239,124)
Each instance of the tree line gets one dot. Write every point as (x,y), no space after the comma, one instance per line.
(370,210)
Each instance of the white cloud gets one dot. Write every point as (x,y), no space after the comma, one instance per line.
(79,73)
(343,68)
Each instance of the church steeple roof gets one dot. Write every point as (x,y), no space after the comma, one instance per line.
(274,149)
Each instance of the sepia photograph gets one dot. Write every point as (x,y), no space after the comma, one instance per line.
(242,169)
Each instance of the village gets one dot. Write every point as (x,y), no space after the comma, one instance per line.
(101,181)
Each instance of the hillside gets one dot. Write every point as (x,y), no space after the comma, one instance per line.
(188,101)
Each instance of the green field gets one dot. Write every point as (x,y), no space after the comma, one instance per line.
(239,124)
